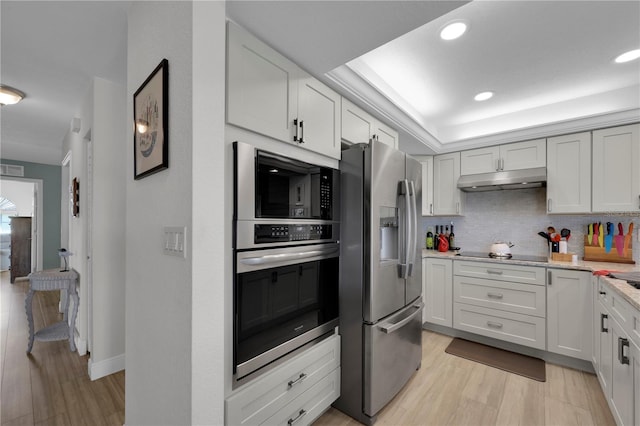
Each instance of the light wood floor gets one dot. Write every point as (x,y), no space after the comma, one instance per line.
(449,390)
(50,386)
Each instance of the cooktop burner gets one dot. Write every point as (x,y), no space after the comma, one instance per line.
(526,258)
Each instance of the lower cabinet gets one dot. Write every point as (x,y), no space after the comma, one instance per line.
(569,308)
(296,392)
(437,293)
(618,358)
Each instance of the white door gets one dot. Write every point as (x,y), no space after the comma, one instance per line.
(569,173)
(438,291)
(318,116)
(622,379)
(523,155)
(446,195)
(481,160)
(616,175)
(357,125)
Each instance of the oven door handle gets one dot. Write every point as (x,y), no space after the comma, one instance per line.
(283,257)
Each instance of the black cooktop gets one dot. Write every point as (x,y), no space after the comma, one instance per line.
(521,257)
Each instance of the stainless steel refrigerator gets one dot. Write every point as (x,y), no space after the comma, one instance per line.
(380,277)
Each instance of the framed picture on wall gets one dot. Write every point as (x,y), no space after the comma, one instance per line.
(150,114)
(75,197)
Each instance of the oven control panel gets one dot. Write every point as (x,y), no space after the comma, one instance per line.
(266,233)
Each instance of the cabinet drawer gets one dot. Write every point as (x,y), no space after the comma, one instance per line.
(500,272)
(525,330)
(267,395)
(307,407)
(513,297)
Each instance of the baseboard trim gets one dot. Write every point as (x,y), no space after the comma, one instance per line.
(104,368)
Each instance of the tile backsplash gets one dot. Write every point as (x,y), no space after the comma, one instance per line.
(517,216)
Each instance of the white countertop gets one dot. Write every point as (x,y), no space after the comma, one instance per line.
(631,294)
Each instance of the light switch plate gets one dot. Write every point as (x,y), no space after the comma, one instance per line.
(175,241)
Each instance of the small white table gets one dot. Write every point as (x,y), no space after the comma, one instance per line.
(47,280)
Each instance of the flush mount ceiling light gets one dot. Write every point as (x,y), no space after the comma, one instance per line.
(483,96)
(9,95)
(453,30)
(628,56)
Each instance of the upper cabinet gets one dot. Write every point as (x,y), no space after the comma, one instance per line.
(513,156)
(447,198)
(569,173)
(359,126)
(270,95)
(616,171)
(427,183)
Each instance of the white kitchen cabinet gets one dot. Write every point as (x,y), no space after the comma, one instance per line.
(358,126)
(569,306)
(615,171)
(427,184)
(310,381)
(447,198)
(595,308)
(270,95)
(513,156)
(622,397)
(569,173)
(635,360)
(437,283)
(605,358)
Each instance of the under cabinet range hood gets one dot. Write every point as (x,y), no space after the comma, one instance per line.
(510,179)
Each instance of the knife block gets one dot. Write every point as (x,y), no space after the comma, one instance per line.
(598,254)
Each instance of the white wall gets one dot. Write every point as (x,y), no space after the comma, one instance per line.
(158,287)
(109,143)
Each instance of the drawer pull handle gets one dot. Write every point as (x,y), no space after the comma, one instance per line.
(301,413)
(494,324)
(494,272)
(300,378)
(602,327)
(603,293)
(495,295)
(622,342)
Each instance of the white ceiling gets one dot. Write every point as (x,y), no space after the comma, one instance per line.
(550,64)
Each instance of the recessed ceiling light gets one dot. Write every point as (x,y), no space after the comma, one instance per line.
(9,95)
(453,30)
(483,96)
(628,56)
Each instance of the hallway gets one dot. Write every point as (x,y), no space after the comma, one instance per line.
(51,385)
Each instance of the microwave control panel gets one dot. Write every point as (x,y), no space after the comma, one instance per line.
(266,233)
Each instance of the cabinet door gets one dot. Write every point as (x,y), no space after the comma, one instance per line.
(261,86)
(635,361)
(447,199)
(438,291)
(605,364)
(427,186)
(385,134)
(569,173)
(568,311)
(357,125)
(481,160)
(524,155)
(622,379)
(616,175)
(595,349)
(318,116)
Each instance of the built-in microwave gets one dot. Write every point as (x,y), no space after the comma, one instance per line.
(271,186)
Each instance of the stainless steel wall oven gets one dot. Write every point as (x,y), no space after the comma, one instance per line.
(286,256)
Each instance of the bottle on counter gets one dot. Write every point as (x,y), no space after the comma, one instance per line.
(436,239)
(429,241)
(451,238)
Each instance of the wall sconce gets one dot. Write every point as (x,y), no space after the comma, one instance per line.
(142,126)
(9,95)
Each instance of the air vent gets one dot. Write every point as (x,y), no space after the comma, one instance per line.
(11,170)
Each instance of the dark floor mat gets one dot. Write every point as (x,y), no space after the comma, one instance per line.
(512,362)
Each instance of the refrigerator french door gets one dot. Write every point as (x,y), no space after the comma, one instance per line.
(380,277)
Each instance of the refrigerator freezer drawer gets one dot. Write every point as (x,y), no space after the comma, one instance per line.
(393,354)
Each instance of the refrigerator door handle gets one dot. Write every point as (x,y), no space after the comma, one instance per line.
(404,240)
(413,236)
(390,327)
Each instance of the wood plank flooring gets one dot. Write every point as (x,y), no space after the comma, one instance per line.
(449,390)
(50,386)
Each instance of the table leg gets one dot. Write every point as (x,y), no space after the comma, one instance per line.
(73,292)
(27,304)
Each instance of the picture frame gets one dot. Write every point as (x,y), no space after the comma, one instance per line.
(75,197)
(151,123)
